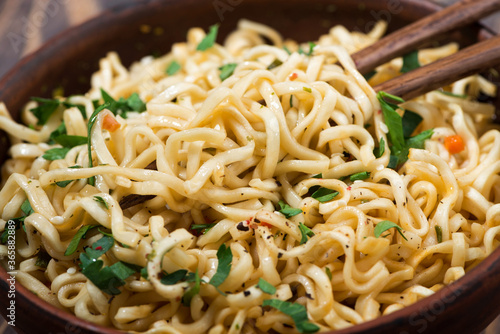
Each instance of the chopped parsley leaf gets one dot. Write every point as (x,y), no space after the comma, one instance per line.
(297,312)
(287,210)
(209,39)
(384,225)
(359,176)
(266,287)
(410,62)
(173,68)
(81,234)
(101,200)
(305,232)
(439,233)
(227,70)
(324,194)
(225,258)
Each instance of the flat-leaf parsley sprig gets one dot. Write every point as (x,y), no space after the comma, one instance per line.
(400,129)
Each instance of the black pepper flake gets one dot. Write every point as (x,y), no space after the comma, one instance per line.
(308,295)
(280,255)
(242,227)
(111,299)
(287,326)
(278,183)
(246,293)
(256,220)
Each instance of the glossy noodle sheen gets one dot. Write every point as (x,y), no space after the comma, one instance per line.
(264,187)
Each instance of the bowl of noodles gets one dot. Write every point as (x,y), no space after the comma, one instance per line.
(222,167)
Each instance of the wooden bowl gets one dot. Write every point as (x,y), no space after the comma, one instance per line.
(466,306)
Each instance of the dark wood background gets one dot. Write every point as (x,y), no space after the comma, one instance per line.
(27,24)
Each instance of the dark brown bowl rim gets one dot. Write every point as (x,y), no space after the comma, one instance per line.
(422,312)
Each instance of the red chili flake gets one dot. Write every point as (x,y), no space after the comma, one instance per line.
(379,112)
(98,248)
(349,188)
(266,224)
(293,76)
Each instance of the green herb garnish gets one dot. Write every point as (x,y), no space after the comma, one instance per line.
(175,277)
(122,106)
(45,109)
(287,210)
(43,259)
(305,232)
(297,312)
(144,273)
(460,96)
(70,141)
(107,279)
(410,62)
(439,233)
(266,287)
(311,48)
(90,124)
(324,194)
(194,290)
(173,68)
(384,225)
(379,151)
(275,64)
(225,258)
(61,130)
(205,227)
(410,121)
(328,273)
(56,153)
(227,70)
(101,200)
(392,119)
(63,184)
(369,75)
(400,144)
(209,39)
(81,234)
(359,176)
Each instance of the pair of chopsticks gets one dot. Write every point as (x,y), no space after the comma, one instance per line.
(476,58)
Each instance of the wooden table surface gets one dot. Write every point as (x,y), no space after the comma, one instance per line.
(27,24)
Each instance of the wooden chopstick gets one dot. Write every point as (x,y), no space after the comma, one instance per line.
(410,37)
(476,58)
